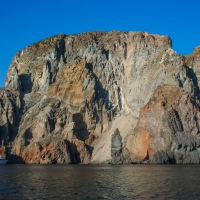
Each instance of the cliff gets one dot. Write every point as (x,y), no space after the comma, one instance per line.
(101,98)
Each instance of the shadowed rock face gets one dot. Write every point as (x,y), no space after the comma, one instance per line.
(66,96)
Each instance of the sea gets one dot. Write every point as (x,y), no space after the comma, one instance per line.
(99,182)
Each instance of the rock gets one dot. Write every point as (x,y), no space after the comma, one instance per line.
(13,82)
(166,128)
(116,148)
(160,157)
(65,96)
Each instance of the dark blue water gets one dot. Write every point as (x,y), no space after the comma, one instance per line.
(99,182)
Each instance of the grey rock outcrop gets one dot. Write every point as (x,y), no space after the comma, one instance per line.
(116,148)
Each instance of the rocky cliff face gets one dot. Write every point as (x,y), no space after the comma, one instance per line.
(99,98)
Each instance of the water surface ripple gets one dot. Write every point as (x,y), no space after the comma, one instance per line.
(99,182)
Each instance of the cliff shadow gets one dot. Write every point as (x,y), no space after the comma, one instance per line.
(80,127)
(74,154)
(26,83)
(192,75)
(81,132)
(106,53)
(9,132)
(61,48)
(3,134)
(13,158)
(100,91)
(89,148)
(26,88)
(27,137)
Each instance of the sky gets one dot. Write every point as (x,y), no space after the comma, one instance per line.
(23,22)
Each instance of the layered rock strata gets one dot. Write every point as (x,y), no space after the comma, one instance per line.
(101,98)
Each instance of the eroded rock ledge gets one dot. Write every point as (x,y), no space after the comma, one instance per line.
(101,98)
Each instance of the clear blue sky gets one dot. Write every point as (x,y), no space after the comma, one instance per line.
(23,22)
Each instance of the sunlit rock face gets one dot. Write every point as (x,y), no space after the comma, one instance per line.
(101,98)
